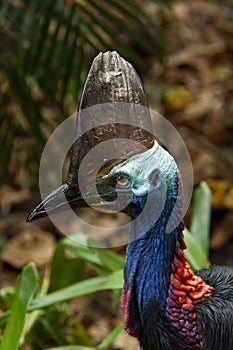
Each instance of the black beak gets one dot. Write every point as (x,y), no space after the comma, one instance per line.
(66,197)
(59,200)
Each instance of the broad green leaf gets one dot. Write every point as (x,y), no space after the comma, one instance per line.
(65,271)
(200,220)
(33,317)
(194,253)
(95,284)
(87,250)
(25,289)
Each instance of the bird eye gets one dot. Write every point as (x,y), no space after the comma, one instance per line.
(122,180)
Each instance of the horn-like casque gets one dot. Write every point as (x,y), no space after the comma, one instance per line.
(113,105)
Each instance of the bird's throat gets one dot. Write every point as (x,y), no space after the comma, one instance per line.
(147,272)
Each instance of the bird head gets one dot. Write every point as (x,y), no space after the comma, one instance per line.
(123,183)
(144,181)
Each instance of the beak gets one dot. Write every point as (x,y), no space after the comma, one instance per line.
(57,201)
(66,197)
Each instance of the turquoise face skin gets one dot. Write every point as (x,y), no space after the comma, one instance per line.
(152,170)
(153,182)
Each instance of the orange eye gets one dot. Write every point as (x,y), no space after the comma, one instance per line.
(122,181)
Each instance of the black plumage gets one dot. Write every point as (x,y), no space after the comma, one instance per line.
(215,315)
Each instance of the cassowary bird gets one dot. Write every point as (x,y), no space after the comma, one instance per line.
(165,305)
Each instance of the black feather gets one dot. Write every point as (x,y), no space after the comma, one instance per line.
(215,313)
(215,316)
(158,334)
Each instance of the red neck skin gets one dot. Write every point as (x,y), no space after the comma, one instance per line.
(186,290)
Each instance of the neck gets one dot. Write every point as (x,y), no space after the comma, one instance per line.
(156,270)
(147,273)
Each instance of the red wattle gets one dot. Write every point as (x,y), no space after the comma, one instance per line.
(186,290)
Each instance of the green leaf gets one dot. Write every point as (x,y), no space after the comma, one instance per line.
(104,345)
(82,246)
(25,289)
(194,253)
(6,296)
(95,284)
(200,221)
(81,336)
(113,280)
(111,337)
(64,270)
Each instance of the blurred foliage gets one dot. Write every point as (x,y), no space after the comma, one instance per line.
(197,238)
(25,317)
(39,313)
(46,50)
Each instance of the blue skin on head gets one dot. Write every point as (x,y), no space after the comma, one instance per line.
(153,181)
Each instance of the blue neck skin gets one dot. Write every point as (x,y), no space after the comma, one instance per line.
(149,258)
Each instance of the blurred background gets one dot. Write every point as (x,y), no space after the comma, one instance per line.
(183,52)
